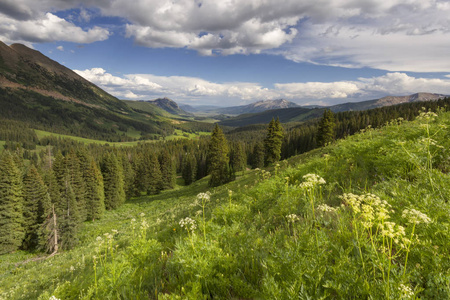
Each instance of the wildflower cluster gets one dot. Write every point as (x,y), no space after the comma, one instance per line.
(415,217)
(188,224)
(204,196)
(311,180)
(292,218)
(426,115)
(395,232)
(369,207)
(406,292)
(325,208)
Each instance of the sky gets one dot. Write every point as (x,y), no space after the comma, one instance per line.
(234,52)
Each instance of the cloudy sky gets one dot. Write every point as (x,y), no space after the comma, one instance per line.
(233,52)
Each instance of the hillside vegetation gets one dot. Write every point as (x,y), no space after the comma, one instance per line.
(366,217)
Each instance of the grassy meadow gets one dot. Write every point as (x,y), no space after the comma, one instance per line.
(367,217)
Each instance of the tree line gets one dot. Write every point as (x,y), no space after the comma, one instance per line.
(46,195)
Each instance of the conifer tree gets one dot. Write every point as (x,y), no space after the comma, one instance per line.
(239,158)
(155,177)
(74,171)
(189,168)
(112,181)
(68,219)
(140,169)
(218,158)
(36,207)
(128,174)
(95,197)
(11,205)
(258,155)
(273,141)
(326,130)
(168,174)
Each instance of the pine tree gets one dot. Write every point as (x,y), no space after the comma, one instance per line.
(36,207)
(95,197)
(218,158)
(326,130)
(154,173)
(11,205)
(273,141)
(112,181)
(168,174)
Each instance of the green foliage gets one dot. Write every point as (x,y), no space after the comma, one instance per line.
(112,181)
(167,168)
(363,218)
(326,129)
(37,207)
(12,229)
(273,142)
(189,168)
(95,195)
(218,158)
(154,174)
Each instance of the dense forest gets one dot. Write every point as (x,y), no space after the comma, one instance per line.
(58,184)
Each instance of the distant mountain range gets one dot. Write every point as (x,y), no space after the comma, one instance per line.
(385,101)
(162,107)
(298,114)
(251,108)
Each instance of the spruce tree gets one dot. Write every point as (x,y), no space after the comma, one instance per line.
(273,141)
(239,158)
(11,205)
(112,181)
(74,171)
(189,168)
(95,197)
(36,207)
(68,219)
(154,173)
(218,158)
(168,174)
(326,130)
(258,155)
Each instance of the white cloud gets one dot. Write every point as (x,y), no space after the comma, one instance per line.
(47,28)
(197,90)
(60,48)
(395,35)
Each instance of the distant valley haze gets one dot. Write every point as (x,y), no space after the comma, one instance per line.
(236,53)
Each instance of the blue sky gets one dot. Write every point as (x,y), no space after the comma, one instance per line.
(236,52)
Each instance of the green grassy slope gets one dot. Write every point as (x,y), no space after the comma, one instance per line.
(377,227)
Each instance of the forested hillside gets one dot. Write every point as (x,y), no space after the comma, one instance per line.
(365,217)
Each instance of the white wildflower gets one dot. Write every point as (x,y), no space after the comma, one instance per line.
(292,218)
(325,208)
(188,224)
(406,291)
(204,196)
(415,217)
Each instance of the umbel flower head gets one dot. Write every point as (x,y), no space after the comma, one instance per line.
(188,224)
(415,217)
(204,196)
(311,180)
(292,218)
